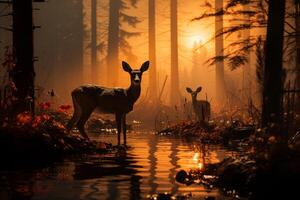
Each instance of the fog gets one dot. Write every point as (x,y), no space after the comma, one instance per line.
(63,50)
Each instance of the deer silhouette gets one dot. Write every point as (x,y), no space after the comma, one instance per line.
(201,107)
(118,101)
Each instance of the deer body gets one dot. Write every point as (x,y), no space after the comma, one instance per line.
(201,107)
(107,100)
(116,101)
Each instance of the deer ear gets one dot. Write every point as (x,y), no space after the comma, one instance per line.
(189,90)
(199,89)
(126,67)
(145,66)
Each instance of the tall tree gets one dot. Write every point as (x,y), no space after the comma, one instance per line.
(175,95)
(273,83)
(260,65)
(113,42)
(152,50)
(94,41)
(247,85)
(59,46)
(5,30)
(23,74)
(219,46)
(79,26)
(117,37)
(297,22)
(71,47)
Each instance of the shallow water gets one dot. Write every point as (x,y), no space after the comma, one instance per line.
(149,167)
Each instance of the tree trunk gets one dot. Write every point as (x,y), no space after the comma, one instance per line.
(297,21)
(247,83)
(273,83)
(79,44)
(94,41)
(152,51)
(23,74)
(219,45)
(72,47)
(113,42)
(175,95)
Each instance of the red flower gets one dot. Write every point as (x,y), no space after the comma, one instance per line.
(46,117)
(24,118)
(64,108)
(45,105)
(37,120)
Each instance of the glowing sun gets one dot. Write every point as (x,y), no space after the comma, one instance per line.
(192,40)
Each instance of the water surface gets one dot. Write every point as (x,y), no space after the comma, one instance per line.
(148,167)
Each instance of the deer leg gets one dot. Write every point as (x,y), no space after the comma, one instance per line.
(82,120)
(208,112)
(124,128)
(72,121)
(75,116)
(202,114)
(118,121)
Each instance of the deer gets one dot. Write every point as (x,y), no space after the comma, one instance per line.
(117,101)
(201,107)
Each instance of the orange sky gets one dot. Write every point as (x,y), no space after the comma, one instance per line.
(188,32)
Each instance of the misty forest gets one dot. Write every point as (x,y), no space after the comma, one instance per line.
(149,99)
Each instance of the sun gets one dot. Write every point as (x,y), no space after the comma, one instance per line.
(192,40)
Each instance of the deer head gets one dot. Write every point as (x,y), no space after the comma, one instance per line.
(194,93)
(136,74)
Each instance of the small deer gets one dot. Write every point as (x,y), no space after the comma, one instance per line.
(201,107)
(116,101)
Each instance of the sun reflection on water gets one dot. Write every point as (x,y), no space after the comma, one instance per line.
(197,162)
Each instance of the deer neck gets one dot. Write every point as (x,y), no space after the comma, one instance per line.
(134,92)
(194,100)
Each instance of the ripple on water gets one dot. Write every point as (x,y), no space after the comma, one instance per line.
(149,167)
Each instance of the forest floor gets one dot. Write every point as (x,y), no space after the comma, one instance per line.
(43,139)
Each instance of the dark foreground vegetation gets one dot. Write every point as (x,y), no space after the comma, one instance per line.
(37,140)
(261,174)
(268,168)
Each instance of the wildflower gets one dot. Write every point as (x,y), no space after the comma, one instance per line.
(24,118)
(45,105)
(64,108)
(37,120)
(46,117)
